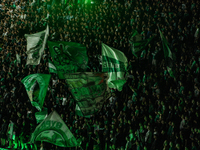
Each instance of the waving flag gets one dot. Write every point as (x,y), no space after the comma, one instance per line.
(53,130)
(79,112)
(68,57)
(167,55)
(52,68)
(115,63)
(35,46)
(40,116)
(137,43)
(89,90)
(36,86)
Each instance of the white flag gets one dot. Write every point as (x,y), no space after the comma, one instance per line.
(35,46)
(115,63)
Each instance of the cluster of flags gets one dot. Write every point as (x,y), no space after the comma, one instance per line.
(138,44)
(89,89)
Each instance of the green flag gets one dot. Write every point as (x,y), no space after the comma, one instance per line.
(79,112)
(137,43)
(35,46)
(53,130)
(36,86)
(40,116)
(167,54)
(68,57)
(52,68)
(115,63)
(89,90)
(10,131)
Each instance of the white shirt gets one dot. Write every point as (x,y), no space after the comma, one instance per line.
(54,82)
(5,34)
(12,25)
(10,11)
(64,101)
(18,7)
(111,99)
(23,16)
(182,124)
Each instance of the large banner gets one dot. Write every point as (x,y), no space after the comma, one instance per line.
(89,89)
(55,131)
(68,57)
(35,46)
(115,63)
(36,86)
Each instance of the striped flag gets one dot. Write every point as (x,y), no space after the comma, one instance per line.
(115,63)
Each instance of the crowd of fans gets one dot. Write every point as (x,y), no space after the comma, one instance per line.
(153,112)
